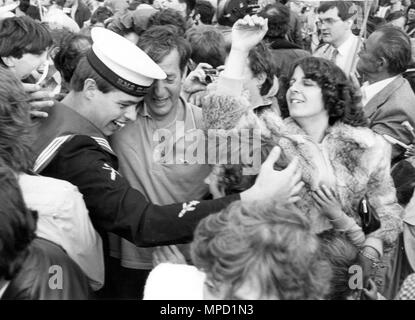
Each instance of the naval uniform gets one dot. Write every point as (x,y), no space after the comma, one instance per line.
(71,148)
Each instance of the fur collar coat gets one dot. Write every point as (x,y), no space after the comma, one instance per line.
(355,161)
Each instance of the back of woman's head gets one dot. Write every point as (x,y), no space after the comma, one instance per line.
(341,99)
(270,246)
(342,255)
(17,227)
(15,124)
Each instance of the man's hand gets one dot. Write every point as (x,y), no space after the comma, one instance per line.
(168,254)
(282,186)
(38,99)
(248,32)
(195,81)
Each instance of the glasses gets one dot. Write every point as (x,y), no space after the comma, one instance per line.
(327,22)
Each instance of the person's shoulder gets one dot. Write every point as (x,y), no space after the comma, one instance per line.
(168,281)
(363,137)
(47,191)
(33,281)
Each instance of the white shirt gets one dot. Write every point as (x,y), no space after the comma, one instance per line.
(346,49)
(64,220)
(370,90)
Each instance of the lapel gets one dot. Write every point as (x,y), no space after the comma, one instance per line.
(378,100)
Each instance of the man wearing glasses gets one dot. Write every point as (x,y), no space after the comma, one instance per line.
(336,20)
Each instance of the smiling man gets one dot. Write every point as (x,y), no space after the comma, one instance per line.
(336,19)
(72,145)
(161,183)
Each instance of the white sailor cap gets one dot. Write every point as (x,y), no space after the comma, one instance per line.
(122,63)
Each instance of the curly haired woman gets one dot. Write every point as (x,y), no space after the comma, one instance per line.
(342,160)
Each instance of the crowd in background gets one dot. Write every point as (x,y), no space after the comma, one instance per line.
(98,175)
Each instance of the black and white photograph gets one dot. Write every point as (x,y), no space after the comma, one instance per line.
(174,151)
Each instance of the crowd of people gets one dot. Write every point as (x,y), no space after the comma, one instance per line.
(203,149)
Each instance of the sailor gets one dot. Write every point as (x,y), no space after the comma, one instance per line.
(72,145)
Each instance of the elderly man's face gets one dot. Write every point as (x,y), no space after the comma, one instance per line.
(367,63)
(333,28)
(163,97)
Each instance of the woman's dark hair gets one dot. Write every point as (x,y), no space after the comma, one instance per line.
(341,99)
(342,255)
(71,49)
(261,61)
(16,135)
(17,227)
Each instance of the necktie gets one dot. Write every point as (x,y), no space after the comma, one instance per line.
(334,55)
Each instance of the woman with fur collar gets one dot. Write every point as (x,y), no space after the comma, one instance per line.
(341,158)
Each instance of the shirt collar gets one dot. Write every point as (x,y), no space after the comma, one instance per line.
(370,90)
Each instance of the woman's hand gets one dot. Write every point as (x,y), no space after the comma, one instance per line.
(328,202)
(248,32)
(168,254)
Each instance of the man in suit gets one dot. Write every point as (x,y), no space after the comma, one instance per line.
(336,22)
(387,97)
